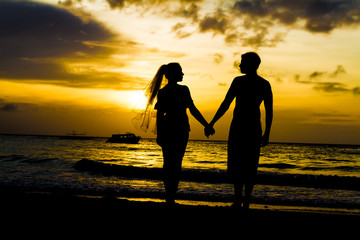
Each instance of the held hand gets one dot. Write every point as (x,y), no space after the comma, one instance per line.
(209,130)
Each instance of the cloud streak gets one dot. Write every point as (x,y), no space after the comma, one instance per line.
(17,106)
(315,79)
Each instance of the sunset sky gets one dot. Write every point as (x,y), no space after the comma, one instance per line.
(83,64)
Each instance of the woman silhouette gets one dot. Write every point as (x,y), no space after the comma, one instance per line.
(245,136)
(172,122)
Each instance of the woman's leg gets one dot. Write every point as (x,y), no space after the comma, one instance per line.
(248,191)
(238,199)
(173,154)
(170,179)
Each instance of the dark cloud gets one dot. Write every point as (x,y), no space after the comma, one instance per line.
(336,87)
(218,58)
(316,74)
(356,91)
(39,40)
(17,107)
(9,107)
(316,77)
(339,70)
(66,3)
(178,30)
(331,87)
(260,17)
(329,114)
(37,30)
(188,11)
(214,24)
(251,22)
(236,64)
(120,4)
(317,15)
(333,117)
(217,22)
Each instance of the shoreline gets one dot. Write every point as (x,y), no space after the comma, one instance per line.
(25,201)
(253,207)
(220,176)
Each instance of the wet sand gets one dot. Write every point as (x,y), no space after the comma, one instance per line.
(25,202)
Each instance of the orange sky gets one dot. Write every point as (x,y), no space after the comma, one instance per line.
(82,64)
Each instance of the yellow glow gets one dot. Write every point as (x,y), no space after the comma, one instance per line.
(109,75)
(137,100)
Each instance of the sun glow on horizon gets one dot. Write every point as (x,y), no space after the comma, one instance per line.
(136,100)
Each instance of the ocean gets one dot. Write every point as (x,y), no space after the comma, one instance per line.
(319,175)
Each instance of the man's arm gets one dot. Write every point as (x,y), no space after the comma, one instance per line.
(224,105)
(268,103)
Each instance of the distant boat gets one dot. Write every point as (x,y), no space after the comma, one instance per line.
(124,138)
(76,136)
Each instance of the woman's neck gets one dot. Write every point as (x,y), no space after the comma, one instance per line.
(172,83)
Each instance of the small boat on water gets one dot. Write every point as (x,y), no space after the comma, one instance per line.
(124,138)
(76,136)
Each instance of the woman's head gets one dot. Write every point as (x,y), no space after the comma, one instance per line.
(173,72)
(249,62)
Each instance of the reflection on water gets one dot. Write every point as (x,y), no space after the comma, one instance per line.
(280,158)
(48,163)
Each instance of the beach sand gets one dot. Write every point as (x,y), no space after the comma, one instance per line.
(26,202)
(61,215)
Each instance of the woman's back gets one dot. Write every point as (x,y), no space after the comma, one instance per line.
(173,100)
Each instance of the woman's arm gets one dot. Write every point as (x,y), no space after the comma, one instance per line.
(197,115)
(160,127)
(193,110)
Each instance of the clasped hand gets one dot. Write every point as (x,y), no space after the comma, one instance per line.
(209,130)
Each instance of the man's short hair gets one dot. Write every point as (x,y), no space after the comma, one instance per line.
(252,59)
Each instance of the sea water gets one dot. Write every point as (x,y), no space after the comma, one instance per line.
(47,163)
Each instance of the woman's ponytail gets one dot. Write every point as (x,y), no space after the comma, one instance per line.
(154,86)
(142,120)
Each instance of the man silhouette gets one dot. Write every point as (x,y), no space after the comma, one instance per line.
(245,136)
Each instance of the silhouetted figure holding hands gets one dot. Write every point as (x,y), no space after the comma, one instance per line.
(245,136)
(172,122)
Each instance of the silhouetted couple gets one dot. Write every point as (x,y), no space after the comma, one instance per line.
(245,136)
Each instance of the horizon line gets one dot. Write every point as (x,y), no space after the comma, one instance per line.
(205,140)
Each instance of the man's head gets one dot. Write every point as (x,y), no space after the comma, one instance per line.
(250,62)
